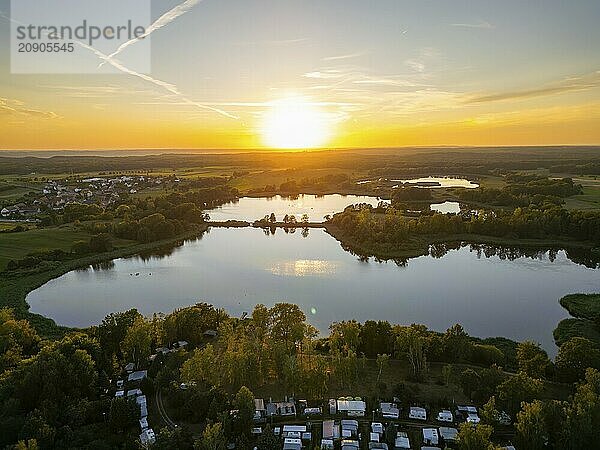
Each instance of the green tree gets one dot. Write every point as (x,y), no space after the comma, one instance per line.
(213,438)
(575,356)
(517,389)
(457,343)
(471,437)
(244,404)
(581,428)
(137,344)
(531,427)
(532,360)
(124,414)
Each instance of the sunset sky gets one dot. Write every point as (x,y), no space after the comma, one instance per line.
(329,73)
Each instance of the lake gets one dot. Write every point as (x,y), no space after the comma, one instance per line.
(442,182)
(238,268)
(316,207)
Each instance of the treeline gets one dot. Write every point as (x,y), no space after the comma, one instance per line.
(394,229)
(524,190)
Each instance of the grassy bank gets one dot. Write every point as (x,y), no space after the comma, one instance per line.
(585,308)
(14,286)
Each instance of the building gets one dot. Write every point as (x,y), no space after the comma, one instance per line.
(350,407)
(137,376)
(349,444)
(331,430)
(292,444)
(389,410)
(445,416)
(402,441)
(417,413)
(349,428)
(259,410)
(281,409)
(147,437)
(431,436)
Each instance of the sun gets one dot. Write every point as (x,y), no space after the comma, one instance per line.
(295,122)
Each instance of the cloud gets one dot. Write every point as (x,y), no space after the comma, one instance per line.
(13,107)
(162,21)
(417,66)
(571,84)
(342,57)
(481,25)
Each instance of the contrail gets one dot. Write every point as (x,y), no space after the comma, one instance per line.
(162,21)
(163,84)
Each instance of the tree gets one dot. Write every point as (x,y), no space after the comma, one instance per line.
(575,356)
(531,427)
(583,415)
(138,341)
(411,340)
(469,382)
(244,404)
(179,438)
(382,362)
(517,389)
(124,414)
(456,342)
(287,324)
(471,437)
(532,360)
(344,336)
(489,414)
(213,438)
(268,440)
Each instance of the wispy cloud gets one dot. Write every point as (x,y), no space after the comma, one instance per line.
(571,84)
(11,107)
(481,25)
(415,65)
(342,57)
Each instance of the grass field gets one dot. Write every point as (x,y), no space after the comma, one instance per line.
(18,245)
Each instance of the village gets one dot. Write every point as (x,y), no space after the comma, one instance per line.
(55,195)
(344,423)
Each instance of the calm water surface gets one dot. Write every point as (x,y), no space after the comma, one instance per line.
(316,207)
(236,269)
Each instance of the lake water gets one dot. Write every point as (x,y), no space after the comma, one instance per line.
(316,207)
(238,268)
(444,182)
(446,207)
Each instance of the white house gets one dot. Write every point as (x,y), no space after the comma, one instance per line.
(389,410)
(418,413)
(352,408)
(402,440)
(137,376)
(292,444)
(147,437)
(430,436)
(445,416)
(448,434)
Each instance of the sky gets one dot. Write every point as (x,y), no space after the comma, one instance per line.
(328,73)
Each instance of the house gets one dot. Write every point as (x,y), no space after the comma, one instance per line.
(181,344)
(389,410)
(147,437)
(292,444)
(349,444)
(141,402)
(351,407)
(130,367)
(417,413)
(134,392)
(137,376)
(259,410)
(327,444)
(331,430)
(373,437)
(210,334)
(312,411)
(120,393)
(281,409)
(143,423)
(445,416)
(120,384)
(473,418)
(378,446)
(377,427)
(332,406)
(430,436)
(402,441)
(448,434)
(349,428)
(293,431)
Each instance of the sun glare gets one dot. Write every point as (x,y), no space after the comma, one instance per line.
(295,122)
